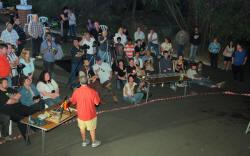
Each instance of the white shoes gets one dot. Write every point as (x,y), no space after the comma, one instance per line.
(94,144)
(85,143)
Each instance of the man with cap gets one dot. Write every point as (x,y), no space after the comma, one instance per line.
(104,72)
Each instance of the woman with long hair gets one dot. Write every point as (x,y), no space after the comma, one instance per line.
(26,60)
(48,88)
(228,52)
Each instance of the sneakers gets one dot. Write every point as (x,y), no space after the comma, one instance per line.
(39,57)
(96,143)
(85,143)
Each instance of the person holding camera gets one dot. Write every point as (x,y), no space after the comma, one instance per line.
(13,60)
(49,50)
(30,96)
(48,88)
(77,54)
(26,66)
(88,44)
(103,49)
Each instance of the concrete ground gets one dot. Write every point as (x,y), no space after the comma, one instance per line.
(199,125)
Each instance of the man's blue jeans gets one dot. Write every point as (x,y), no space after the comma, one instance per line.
(180,49)
(91,59)
(192,54)
(51,102)
(120,83)
(72,30)
(155,46)
(137,98)
(105,56)
(75,67)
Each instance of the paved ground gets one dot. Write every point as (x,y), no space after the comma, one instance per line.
(193,126)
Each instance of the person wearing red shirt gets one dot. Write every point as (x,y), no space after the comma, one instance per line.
(4,64)
(129,49)
(86,98)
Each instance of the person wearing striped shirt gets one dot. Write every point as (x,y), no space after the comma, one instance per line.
(129,49)
(10,35)
(14,61)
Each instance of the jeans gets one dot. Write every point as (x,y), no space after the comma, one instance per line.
(155,46)
(72,30)
(91,59)
(75,67)
(105,56)
(36,44)
(120,83)
(49,66)
(65,33)
(213,60)
(50,102)
(238,69)
(192,54)
(180,49)
(136,98)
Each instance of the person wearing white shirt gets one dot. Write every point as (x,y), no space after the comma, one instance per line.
(153,42)
(10,35)
(138,60)
(122,36)
(129,94)
(49,89)
(167,46)
(72,23)
(91,51)
(104,72)
(139,35)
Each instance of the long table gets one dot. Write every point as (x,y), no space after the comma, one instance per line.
(166,78)
(50,124)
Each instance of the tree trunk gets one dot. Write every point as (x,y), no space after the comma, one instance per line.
(134,8)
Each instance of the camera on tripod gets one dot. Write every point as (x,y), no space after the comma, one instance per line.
(20,67)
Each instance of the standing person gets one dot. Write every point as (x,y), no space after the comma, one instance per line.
(214,49)
(103,49)
(90,25)
(129,49)
(129,94)
(119,50)
(35,30)
(64,23)
(122,36)
(153,42)
(13,60)
(167,46)
(181,39)
(139,35)
(4,64)
(89,41)
(195,40)
(76,61)
(228,52)
(96,31)
(239,60)
(25,59)
(49,50)
(86,99)
(72,23)
(10,35)
(140,48)
(22,36)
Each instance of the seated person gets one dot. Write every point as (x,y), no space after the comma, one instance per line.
(166,63)
(138,60)
(93,79)
(196,78)
(199,68)
(131,70)
(167,46)
(104,72)
(49,89)
(129,94)
(4,126)
(148,62)
(120,72)
(179,65)
(30,96)
(10,106)
(139,47)
(119,50)
(25,59)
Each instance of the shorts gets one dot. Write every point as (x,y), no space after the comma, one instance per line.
(227,58)
(89,125)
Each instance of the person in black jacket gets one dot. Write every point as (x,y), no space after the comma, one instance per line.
(195,40)
(22,36)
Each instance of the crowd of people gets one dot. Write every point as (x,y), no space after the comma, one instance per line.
(97,58)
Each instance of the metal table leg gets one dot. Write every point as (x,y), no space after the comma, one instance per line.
(27,134)
(43,142)
(147,92)
(185,89)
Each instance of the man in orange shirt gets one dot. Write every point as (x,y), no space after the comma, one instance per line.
(86,98)
(4,64)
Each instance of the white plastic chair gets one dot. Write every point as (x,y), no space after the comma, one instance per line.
(43,19)
(103,27)
(29,18)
